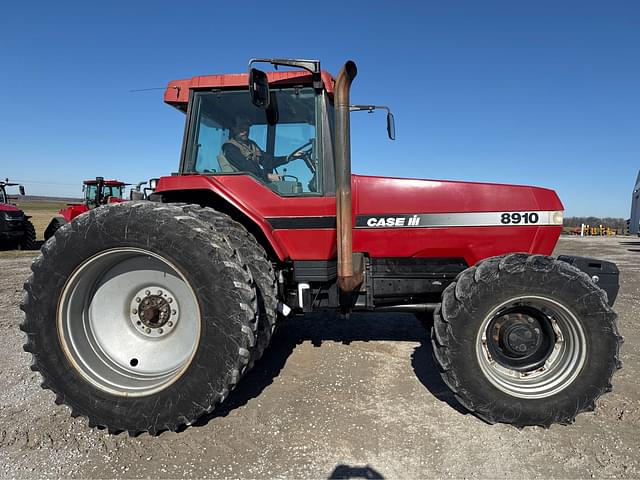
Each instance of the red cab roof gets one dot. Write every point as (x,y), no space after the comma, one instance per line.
(177,92)
(108,183)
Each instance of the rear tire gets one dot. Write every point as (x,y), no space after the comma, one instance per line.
(86,307)
(28,241)
(261,269)
(526,340)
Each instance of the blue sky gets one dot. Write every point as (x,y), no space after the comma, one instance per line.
(544,93)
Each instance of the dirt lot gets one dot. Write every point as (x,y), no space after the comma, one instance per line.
(356,399)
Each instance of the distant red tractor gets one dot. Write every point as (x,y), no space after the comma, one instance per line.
(143,316)
(96,192)
(16,230)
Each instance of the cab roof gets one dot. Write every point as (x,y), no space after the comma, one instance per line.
(108,183)
(177,91)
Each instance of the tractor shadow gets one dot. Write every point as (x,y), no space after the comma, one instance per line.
(343,472)
(318,328)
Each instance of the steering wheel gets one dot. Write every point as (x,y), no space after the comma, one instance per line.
(295,179)
(306,155)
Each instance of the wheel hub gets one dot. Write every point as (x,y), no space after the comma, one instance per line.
(154,311)
(520,338)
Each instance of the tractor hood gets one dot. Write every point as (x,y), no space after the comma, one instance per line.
(383,195)
(396,217)
(6,207)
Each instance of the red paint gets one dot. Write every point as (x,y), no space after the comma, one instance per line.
(177,92)
(378,195)
(7,207)
(72,211)
(107,183)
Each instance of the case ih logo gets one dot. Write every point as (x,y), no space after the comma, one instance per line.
(460,219)
(412,221)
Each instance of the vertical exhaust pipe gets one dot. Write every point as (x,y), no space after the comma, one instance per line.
(348,280)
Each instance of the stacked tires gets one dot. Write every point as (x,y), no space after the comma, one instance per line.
(144,316)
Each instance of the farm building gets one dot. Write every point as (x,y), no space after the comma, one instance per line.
(635,208)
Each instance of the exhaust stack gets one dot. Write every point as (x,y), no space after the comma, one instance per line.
(348,280)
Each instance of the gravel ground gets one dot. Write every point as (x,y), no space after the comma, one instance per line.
(331,398)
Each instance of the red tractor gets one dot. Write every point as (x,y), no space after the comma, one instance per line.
(15,227)
(143,316)
(96,192)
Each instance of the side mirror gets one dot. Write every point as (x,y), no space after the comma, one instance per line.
(21,190)
(153,183)
(259,88)
(391,126)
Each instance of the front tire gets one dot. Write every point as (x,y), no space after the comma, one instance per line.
(53,227)
(526,340)
(139,318)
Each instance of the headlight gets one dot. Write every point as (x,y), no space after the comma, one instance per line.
(557,217)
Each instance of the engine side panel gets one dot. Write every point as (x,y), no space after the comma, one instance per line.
(457,219)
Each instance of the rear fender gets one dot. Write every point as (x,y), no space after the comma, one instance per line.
(202,191)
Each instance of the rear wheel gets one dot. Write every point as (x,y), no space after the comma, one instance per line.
(139,318)
(261,269)
(526,340)
(28,241)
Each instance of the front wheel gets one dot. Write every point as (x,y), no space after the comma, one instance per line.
(139,317)
(526,340)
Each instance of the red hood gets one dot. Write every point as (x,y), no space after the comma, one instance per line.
(380,195)
(5,207)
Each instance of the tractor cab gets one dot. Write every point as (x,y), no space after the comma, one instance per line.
(284,140)
(100,192)
(4,198)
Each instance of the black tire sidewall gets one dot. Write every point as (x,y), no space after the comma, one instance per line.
(211,371)
(578,296)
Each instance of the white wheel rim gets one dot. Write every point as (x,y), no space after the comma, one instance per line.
(559,370)
(115,349)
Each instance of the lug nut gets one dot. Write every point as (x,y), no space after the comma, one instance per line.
(173,312)
(138,299)
(148,330)
(148,292)
(159,292)
(170,324)
(134,311)
(160,331)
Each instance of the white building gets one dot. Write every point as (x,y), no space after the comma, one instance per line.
(635,209)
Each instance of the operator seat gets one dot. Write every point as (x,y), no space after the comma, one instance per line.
(225,165)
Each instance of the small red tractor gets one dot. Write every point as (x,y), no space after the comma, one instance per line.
(96,192)
(15,227)
(142,316)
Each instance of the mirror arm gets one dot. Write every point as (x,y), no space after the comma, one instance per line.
(311,66)
(391,130)
(368,108)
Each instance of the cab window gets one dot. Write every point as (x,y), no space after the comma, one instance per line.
(229,135)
